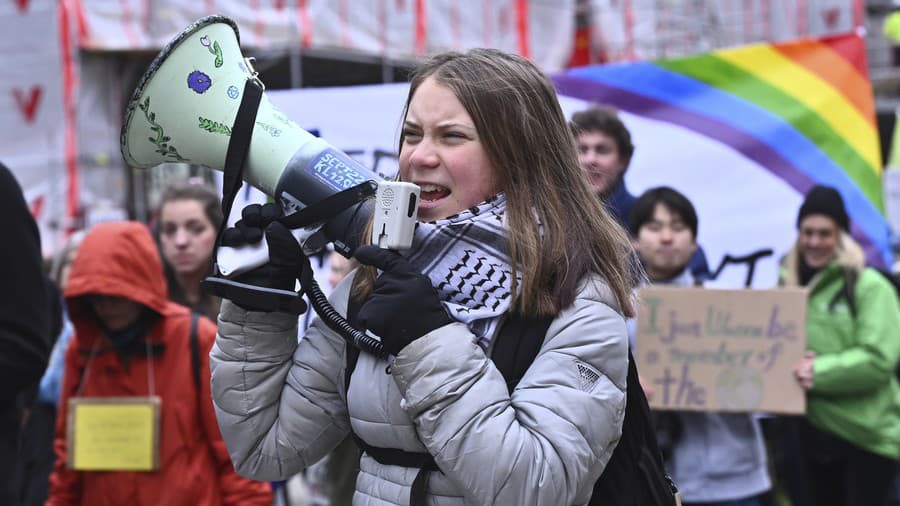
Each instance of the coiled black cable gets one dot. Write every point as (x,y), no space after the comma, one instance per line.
(333,319)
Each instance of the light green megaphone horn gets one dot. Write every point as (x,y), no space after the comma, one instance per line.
(185,106)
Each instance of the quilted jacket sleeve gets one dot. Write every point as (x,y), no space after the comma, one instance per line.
(548,442)
(236,490)
(279,404)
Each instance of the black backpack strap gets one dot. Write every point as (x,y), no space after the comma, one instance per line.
(517,344)
(387,456)
(847,292)
(195,350)
(352,355)
(635,474)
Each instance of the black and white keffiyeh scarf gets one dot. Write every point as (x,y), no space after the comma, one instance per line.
(467,259)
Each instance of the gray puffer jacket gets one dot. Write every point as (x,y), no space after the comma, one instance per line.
(281,405)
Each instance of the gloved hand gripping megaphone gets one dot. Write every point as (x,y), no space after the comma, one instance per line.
(201,102)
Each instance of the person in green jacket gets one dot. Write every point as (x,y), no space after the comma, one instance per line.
(844,451)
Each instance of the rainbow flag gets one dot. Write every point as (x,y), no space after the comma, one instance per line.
(802,111)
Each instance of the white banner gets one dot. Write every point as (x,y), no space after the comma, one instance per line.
(758,216)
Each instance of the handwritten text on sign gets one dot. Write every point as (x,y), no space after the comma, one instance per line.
(113,433)
(722,350)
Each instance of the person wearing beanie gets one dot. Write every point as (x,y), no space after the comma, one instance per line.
(826,201)
(844,451)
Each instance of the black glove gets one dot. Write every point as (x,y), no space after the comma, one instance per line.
(285,255)
(403,305)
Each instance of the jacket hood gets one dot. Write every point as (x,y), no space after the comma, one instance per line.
(850,256)
(118,259)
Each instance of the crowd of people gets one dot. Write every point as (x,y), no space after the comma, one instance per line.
(528,235)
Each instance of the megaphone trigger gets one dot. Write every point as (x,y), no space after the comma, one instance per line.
(254,297)
(232,261)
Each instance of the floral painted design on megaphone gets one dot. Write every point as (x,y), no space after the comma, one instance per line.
(214,49)
(199,82)
(161,141)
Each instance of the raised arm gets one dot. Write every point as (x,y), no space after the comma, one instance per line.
(280,405)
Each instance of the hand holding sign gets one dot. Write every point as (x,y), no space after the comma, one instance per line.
(804,371)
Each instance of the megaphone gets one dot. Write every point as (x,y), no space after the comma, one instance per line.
(184,109)
(191,105)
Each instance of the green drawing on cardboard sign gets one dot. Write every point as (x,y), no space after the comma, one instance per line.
(214,126)
(161,141)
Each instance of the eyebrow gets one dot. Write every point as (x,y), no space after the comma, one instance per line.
(191,221)
(670,222)
(454,124)
(444,126)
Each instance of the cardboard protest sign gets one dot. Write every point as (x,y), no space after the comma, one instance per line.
(704,349)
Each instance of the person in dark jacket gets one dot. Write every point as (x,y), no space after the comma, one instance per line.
(37,457)
(605,149)
(24,322)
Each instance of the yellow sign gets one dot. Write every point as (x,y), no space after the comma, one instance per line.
(113,433)
(702,349)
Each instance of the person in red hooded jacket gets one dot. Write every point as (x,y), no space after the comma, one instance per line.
(131,341)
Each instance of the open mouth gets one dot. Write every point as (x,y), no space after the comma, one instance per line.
(432,192)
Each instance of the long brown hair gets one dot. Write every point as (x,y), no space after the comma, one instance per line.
(520,123)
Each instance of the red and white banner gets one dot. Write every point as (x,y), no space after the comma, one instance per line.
(399,29)
(542,30)
(38,88)
(629,30)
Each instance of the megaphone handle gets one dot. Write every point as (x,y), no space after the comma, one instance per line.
(232,261)
(258,298)
(270,299)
